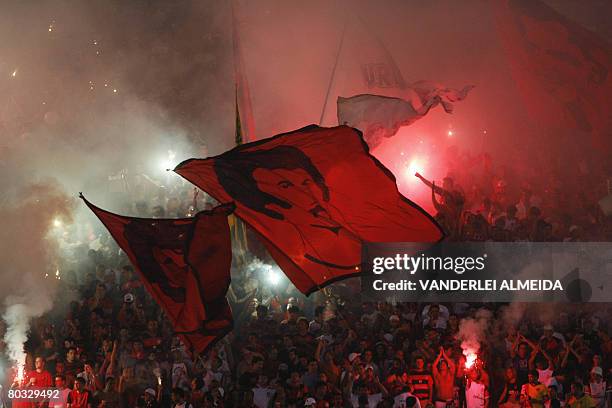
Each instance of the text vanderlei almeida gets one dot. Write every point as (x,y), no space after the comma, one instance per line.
(458,265)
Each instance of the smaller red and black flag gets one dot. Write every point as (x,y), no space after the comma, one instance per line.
(185,265)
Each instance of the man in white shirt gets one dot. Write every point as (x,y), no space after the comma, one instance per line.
(435,316)
(262,393)
(476,393)
(597,387)
(360,395)
(406,400)
(60,402)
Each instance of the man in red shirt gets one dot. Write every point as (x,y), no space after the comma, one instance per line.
(38,378)
(79,397)
(421,381)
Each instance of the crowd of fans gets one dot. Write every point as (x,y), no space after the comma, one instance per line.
(111,346)
(537,200)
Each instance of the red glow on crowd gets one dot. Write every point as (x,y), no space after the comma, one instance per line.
(413,151)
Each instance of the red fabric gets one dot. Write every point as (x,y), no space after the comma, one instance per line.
(314,195)
(79,399)
(152,342)
(562,70)
(41,380)
(185,265)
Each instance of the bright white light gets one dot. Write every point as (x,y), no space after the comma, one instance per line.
(450,133)
(168,162)
(470,358)
(273,277)
(57,223)
(416,165)
(165,165)
(20,373)
(14,74)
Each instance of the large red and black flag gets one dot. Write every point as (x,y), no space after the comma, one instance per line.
(185,266)
(562,70)
(314,195)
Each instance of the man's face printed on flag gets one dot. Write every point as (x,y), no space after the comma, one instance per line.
(284,184)
(147,244)
(296,186)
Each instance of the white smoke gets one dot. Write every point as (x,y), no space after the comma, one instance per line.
(268,274)
(80,127)
(472,331)
(513,314)
(27,254)
(18,316)
(538,314)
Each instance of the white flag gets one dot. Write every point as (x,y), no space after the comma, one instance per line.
(381,117)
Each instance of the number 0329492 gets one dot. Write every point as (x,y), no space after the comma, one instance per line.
(35,394)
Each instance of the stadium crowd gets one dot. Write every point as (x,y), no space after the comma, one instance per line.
(110,346)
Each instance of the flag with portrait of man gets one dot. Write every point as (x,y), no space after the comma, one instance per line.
(314,196)
(185,266)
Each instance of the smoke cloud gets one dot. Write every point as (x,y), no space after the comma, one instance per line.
(93,89)
(472,332)
(89,92)
(512,314)
(271,274)
(27,255)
